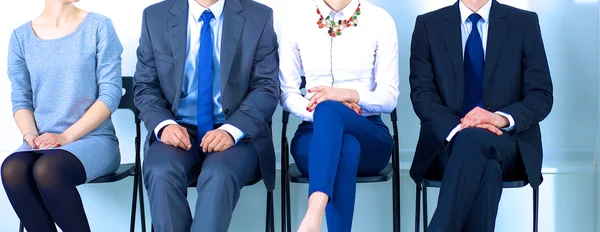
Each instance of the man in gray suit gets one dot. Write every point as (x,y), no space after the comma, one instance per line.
(206,86)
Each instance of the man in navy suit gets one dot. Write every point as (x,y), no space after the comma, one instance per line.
(206,85)
(480,84)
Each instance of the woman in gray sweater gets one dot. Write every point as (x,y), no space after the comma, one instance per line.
(65,73)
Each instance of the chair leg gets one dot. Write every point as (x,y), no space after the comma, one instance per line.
(288,206)
(283,202)
(21,227)
(425,215)
(142,204)
(134,203)
(270,226)
(418,208)
(536,198)
(396,202)
(272,216)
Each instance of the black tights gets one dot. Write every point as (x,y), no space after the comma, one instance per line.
(41,189)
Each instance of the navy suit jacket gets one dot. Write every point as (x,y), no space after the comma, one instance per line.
(516,81)
(249,71)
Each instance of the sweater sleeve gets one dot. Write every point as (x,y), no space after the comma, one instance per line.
(108,70)
(18,74)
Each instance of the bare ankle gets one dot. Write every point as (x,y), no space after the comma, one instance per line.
(318,201)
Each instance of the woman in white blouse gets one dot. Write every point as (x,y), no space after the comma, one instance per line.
(350,60)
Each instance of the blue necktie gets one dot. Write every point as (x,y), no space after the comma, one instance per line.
(205,75)
(474,65)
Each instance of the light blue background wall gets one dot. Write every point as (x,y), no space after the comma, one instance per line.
(570,134)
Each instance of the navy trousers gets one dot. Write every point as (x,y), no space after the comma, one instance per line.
(472,167)
(339,145)
(220,176)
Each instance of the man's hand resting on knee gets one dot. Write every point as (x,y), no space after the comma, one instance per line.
(177,136)
(216,141)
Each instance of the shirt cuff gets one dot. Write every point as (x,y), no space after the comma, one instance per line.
(162,125)
(308,116)
(511,121)
(364,97)
(452,133)
(236,133)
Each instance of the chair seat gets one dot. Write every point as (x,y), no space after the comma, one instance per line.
(384,175)
(124,171)
(505,184)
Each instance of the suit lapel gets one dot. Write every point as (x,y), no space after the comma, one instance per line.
(451,32)
(177,35)
(498,28)
(233,24)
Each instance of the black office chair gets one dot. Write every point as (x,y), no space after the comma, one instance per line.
(129,169)
(436,184)
(292,174)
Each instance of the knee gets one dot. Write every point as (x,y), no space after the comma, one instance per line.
(159,174)
(493,171)
(350,152)
(218,174)
(328,109)
(474,144)
(14,170)
(45,172)
(473,138)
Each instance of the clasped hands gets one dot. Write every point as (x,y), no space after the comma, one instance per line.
(46,140)
(481,118)
(214,141)
(348,97)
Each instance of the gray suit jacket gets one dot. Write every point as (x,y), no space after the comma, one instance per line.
(249,71)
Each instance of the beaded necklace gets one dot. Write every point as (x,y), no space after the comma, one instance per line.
(335,28)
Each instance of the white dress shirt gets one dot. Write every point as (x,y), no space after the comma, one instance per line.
(363,58)
(482,26)
(187,110)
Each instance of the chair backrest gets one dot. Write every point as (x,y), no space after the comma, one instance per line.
(127,98)
(303,85)
(394,119)
(127,103)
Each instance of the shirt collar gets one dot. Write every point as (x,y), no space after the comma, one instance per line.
(348,11)
(484,12)
(197,10)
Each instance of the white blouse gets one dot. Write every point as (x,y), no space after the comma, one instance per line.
(363,58)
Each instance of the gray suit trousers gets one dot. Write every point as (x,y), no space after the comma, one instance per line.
(168,171)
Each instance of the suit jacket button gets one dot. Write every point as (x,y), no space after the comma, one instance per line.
(226,111)
(488,107)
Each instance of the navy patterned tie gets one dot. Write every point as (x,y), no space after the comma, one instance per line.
(474,65)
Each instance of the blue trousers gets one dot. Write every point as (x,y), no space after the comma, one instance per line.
(336,148)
